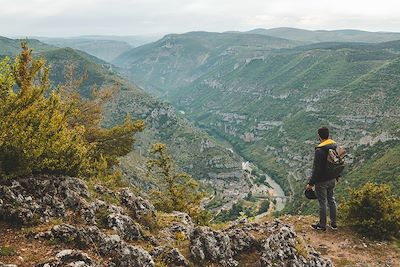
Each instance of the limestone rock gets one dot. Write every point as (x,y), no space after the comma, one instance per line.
(209,245)
(70,258)
(281,248)
(175,258)
(7,265)
(36,199)
(171,256)
(242,240)
(134,256)
(124,226)
(137,206)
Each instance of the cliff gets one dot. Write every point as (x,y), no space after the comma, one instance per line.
(61,221)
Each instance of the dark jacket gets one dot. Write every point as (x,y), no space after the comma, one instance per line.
(320,158)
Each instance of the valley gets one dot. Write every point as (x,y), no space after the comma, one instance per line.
(194,151)
(248,98)
(268,103)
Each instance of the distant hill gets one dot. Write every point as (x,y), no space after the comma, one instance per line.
(268,103)
(133,40)
(177,60)
(193,149)
(328,36)
(104,49)
(11,47)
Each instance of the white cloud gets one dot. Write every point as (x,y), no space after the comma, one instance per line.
(123,17)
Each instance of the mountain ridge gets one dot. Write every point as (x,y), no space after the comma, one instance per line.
(268,104)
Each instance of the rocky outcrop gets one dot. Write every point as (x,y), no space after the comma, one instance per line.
(134,256)
(110,231)
(113,246)
(242,240)
(138,207)
(124,226)
(36,199)
(209,245)
(170,256)
(284,248)
(70,258)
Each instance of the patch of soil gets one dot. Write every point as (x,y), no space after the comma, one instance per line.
(345,247)
(27,252)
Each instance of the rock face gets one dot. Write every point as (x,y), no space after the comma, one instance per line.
(139,207)
(111,232)
(134,256)
(170,256)
(124,226)
(209,245)
(70,258)
(36,199)
(122,253)
(282,247)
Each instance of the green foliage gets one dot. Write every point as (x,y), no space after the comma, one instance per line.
(238,210)
(373,210)
(101,217)
(8,251)
(176,191)
(264,207)
(250,197)
(54,131)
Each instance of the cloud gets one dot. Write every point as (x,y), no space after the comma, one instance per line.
(130,17)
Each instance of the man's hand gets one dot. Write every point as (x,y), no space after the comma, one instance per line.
(309,187)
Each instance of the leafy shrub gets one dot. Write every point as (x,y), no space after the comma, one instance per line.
(373,211)
(175,191)
(53,130)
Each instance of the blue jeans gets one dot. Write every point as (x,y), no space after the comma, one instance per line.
(324,192)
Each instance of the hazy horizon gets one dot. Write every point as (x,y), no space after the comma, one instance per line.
(71,18)
(161,35)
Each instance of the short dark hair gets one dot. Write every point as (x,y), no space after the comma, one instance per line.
(323,132)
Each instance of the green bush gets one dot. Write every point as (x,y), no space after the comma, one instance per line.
(175,191)
(54,130)
(373,210)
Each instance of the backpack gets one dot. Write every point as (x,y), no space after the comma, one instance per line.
(335,162)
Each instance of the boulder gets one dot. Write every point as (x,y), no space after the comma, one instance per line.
(36,199)
(209,245)
(134,256)
(138,207)
(70,258)
(242,240)
(281,248)
(124,226)
(175,258)
(170,256)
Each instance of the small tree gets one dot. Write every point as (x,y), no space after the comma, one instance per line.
(176,191)
(43,130)
(373,211)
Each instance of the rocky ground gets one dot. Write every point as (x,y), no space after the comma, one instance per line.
(50,221)
(344,247)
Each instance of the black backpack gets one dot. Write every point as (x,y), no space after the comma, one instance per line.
(335,162)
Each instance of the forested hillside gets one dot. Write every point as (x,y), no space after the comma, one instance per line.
(194,151)
(268,103)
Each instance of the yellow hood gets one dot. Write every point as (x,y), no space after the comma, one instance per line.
(326,142)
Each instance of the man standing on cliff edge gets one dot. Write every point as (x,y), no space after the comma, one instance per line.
(324,184)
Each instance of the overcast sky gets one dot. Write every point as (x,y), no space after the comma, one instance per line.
(158,17)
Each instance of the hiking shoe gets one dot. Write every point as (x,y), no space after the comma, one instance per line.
(317,227)
(333,226)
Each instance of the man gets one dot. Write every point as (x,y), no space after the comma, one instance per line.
(324,185)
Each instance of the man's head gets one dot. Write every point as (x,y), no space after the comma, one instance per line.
(323,133)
